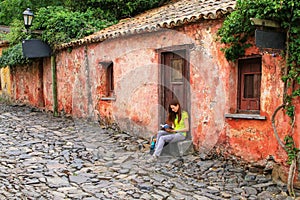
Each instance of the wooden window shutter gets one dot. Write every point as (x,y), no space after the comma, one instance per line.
(110,80)
(249,85)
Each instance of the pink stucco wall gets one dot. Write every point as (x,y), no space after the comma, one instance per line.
(81,80)
(254,140)
(27,84)
(213,84)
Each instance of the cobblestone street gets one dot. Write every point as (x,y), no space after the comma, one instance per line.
(43,157)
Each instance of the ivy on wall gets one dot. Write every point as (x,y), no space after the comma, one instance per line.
(60,25)
(13,55)
(237,28)
(235,32)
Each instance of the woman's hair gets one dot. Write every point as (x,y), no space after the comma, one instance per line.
(172,114)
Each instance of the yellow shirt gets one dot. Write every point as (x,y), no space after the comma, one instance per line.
(181,125)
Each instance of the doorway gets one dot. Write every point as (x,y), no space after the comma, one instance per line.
(175,80)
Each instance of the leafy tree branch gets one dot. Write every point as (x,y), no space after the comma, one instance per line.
(62,21)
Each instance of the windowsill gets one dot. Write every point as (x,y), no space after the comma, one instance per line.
(245,116)
(108,98)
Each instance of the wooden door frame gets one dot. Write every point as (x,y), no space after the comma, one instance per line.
(186,48)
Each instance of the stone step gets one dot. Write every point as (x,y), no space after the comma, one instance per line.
(177,149)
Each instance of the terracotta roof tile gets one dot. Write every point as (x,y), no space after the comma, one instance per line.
(168,16)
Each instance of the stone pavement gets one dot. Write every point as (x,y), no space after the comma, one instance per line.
(43,157)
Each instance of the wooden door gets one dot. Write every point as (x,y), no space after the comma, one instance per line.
(175,80)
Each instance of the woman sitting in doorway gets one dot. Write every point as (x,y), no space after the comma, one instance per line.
(178,120)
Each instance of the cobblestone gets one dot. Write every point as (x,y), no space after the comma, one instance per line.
(46,157)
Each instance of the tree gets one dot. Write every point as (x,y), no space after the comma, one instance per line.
(61,25)
(9,10)
(13,9)
(115,9)
(110,10)
(64,20)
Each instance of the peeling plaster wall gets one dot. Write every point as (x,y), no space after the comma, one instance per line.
(5,82)
(5,90)
(208,81)
(27,84)
(81,84)
(136,81)
(254,140)
(47,84)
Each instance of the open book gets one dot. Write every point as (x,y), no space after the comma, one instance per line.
(165,126)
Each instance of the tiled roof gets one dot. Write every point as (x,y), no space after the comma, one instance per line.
(168,16)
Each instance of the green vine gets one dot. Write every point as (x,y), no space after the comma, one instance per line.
(13,56)
(61,25)
(237,30)
(291,150)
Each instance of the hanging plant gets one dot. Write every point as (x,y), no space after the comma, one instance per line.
(13,56)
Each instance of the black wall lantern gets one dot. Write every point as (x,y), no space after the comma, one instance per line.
(28,17)
(33,48)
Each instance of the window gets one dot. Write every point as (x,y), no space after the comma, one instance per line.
(110,80)
(108,69)
(249,81)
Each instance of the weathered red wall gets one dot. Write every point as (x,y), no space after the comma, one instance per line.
(297,122)
(254,139)
(47,84)
(209,84)
(27,84)
(81,80)
(296,131)
(213,82)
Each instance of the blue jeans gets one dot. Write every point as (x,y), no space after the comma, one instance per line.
(163,137)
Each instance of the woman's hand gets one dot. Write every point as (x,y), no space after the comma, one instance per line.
(169,130)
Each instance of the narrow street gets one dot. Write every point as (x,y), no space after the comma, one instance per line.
(43,157)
